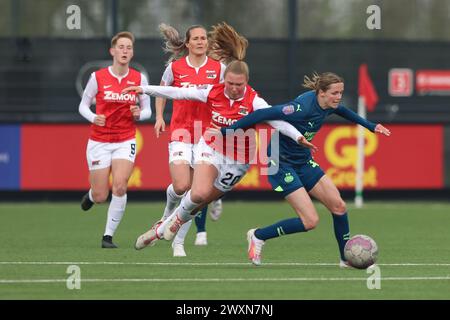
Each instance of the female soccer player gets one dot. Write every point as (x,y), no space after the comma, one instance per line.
(111,147)
(299,176)
(188,66)
(216,171)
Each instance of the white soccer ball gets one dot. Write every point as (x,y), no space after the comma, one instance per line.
(361,251)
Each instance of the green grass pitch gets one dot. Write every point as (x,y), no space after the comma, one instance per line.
(39,241)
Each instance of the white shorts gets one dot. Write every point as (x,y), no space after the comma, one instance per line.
(100,154)
(230,172)
(181,151)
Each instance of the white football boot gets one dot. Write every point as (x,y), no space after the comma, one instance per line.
(172,228)
(216,210)
(148,238)
(200,239)
(255,246)
(344,264)
(178,249)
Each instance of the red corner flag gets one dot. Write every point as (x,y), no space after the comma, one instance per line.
(366,88)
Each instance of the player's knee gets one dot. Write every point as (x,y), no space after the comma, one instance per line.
(311,222)
(199,196)
(100,196)
(180,187)
(120,189)
(339,207)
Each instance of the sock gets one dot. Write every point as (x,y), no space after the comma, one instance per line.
(183,211)
(171,202)
(341,231)
(90,195)
(280,228)
(200,220)
(186,207)
(115,213)
(181,234)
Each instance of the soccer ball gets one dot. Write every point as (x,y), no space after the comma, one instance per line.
(361,251)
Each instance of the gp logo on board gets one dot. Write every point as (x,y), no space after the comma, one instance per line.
(341,152)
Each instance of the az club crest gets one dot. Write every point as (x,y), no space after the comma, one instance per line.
(243,110)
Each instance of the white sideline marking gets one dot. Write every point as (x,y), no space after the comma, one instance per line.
(15,281)
(204,263)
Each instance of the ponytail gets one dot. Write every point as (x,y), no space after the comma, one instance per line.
(321,82)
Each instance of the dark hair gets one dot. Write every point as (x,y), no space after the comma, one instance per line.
(173,43)
(322,81)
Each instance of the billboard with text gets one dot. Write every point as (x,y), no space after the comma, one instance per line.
(53,157)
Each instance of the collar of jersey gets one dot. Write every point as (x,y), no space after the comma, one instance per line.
(316,103)
(117,77)
(196,68)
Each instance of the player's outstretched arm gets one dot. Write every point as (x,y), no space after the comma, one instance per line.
(261,115)
(137,89)
(169,92)
(355,118)
(383,130)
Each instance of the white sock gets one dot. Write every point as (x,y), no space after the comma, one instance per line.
(90,195)
(186,207)
(182,211)
(181,234)
(172,201)
(115,213)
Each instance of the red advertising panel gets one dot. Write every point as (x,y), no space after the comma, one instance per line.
(411,158)
(54,158)
(433,82)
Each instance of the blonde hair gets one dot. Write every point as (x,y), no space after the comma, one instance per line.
(122,34)
(226,44)
(322,81)
(230,47)
(173,43)
(238,67)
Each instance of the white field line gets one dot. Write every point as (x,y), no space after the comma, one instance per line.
(17,281)
(205,263)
